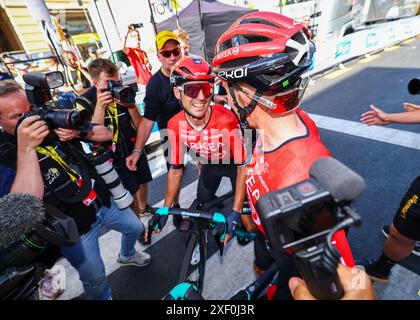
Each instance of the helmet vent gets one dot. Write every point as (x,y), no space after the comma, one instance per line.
(303,59)
(292,52)
(299,37)
(242,39)
(238,62)
(185,70)
(259,21)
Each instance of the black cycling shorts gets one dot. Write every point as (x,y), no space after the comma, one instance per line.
(210,177)
(285,263)
(407,218)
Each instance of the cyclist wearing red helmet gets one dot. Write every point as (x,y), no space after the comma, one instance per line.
(211,132)
(262,59)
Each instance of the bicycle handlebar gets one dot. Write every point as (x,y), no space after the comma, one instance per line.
(214,219)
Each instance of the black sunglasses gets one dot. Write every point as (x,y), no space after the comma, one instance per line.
(168,53)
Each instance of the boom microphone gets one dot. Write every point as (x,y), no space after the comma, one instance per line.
(19,214)
(343,183)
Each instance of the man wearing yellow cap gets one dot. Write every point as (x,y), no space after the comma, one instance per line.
(160,103)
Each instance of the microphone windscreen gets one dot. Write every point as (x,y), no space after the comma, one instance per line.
(19,214)
(342,182)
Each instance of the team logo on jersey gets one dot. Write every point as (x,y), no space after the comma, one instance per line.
(52,175)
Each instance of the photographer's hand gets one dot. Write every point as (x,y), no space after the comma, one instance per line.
(131,161)
(103,100)
(66,134)
(356,284)
(31,132)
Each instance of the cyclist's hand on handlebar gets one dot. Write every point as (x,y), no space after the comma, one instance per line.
(157,222)
(356,284)
(232,221)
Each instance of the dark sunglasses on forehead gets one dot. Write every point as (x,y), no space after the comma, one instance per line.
(168,53)
(192,90)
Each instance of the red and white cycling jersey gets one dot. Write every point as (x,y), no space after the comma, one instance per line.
(218,142)
(285,166)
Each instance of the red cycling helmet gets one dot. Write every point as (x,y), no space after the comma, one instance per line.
(268,51)
(191,69)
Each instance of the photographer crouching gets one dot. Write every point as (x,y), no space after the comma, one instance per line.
(68,175)
(113,105)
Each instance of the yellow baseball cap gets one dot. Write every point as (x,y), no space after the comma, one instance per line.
(164,36)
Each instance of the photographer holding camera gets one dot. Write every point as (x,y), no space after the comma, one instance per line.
(122,118)
(67,177)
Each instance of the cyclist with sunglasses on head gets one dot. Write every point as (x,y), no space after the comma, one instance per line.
(262,59)
(160,104)
(212,134)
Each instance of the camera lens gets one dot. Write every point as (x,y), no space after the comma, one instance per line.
(68,119)
(125,94)
(79,119)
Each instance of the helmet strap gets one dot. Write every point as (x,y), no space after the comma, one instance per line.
(243,111)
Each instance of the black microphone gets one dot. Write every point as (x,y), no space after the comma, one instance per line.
(343,183)
(19,214)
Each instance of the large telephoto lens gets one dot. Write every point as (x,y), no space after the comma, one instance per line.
(69,119)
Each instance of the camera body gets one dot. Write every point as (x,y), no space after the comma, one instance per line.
(137,25)
(298,216)
(301,220)
(22,262)
(38,88)
(123,93)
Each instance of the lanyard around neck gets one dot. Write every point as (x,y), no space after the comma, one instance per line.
(50,152)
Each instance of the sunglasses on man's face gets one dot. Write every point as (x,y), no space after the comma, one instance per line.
(168,53)
(192,90)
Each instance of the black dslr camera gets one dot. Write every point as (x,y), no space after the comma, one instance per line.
(302,219)
(123,93)
(38,88)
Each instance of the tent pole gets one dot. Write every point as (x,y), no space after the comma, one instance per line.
(104,30)
(177,17)
(113,19)
(152,18)
(200,12)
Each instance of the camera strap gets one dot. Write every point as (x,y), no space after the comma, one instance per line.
(50,152)
(113,118)
(80,181)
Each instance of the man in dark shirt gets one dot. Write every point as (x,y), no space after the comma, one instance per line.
(160,102)
(121,119)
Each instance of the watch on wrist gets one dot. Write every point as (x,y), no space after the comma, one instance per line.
(136,150)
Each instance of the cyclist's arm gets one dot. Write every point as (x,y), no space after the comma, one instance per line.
(248,223)
(173,184)
(240,190)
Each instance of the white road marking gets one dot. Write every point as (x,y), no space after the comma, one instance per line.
(378,133)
